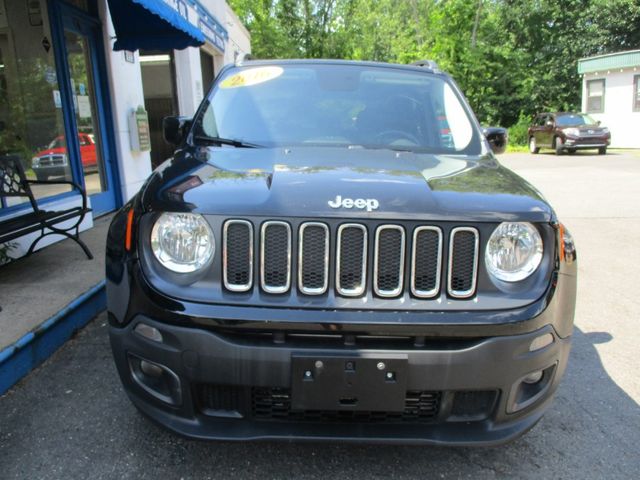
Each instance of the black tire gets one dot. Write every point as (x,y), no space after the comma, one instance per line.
(602,151)
(572,151)
(558,145)
(533,146)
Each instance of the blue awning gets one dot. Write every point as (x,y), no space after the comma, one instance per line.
(151,25)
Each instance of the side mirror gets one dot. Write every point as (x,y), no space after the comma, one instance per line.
(497,138)
(174,129)
(598,122)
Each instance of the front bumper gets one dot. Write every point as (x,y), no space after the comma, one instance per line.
(586,142)
(228,387)
(52,170)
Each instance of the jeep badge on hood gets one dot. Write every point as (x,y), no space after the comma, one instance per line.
(369,203)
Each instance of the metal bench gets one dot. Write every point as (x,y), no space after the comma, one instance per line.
(14,183)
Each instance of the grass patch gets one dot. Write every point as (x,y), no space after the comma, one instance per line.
(517,148)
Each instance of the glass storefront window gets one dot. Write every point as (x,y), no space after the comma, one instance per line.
(31,121)
(84,100)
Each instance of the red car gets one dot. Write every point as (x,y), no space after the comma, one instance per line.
(568,132)
(54,161)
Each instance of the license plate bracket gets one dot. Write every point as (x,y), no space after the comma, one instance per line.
(363,383)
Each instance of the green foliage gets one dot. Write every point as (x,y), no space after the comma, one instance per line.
(512,58)
(518,131)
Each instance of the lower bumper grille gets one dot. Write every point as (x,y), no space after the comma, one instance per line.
(274,404)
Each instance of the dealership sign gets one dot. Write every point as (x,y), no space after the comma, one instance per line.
(199,16)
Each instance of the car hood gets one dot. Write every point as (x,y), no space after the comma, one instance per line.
(303,181)
(585,128)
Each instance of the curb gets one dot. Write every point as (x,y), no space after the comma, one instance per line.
(35,347)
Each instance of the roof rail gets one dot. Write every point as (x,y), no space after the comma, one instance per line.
(430,64)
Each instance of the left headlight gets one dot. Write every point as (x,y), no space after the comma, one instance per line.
(182,242)
(574,132)
(514,251)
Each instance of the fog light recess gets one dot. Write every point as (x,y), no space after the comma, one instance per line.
(533,377)
(150,369)
(157,380)
(530,389)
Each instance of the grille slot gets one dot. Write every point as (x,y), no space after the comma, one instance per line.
(463,262)
(426,262)
(275,404)
(237,256)
(275,257)
(351,259)
(313,258)
(388,266)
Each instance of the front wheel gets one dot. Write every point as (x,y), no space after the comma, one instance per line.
(558,144)
(602,150)
(533,147)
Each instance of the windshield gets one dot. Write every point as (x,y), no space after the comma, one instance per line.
(57,143)
(575,119)
(338,105)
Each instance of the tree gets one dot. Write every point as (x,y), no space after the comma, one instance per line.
(512,58)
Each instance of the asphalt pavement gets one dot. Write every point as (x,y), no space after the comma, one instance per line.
(71,419)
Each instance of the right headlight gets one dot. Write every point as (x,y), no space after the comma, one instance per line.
(514,251)
(182,242)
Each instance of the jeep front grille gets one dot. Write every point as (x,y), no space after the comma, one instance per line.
(463,262)
(351,259)
(388,264)
(321,256)
(426,262)
(237,255)
(313,258)
(275,257)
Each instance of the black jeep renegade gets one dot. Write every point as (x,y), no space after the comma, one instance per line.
(334,252)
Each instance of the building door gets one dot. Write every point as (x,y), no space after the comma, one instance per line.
(160,99)
(208,71)
(82,59)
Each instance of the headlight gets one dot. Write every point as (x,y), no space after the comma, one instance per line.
(574,132)
(35,161)
(182,242)
(605,130)
(514,251)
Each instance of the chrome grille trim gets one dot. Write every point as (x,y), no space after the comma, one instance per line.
(277,288)
(469,292)
(234,287)
(351,292)
(401,267)
(414,290)
(301,287)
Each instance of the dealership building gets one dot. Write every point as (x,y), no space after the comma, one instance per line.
(611,94)
(84,85)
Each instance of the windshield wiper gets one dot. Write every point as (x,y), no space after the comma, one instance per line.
(224,141)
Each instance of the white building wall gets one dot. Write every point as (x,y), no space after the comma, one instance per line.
(190,90)
(188,80)
(125,85)
(239,43)
(127,94)
(618,115)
